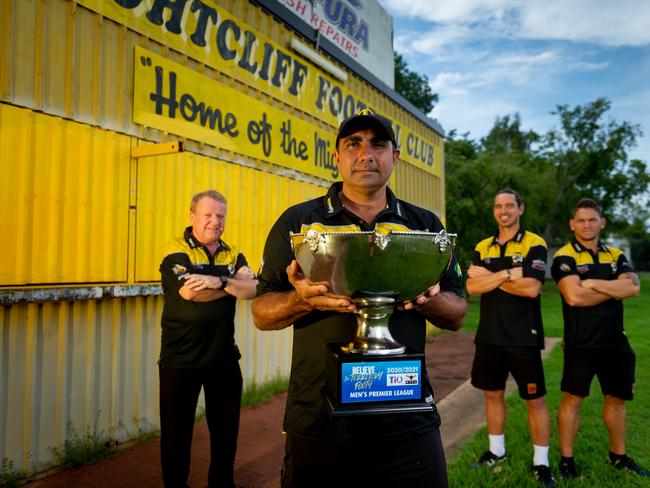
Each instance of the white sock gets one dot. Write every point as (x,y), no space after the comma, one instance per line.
(497,444)
(540,456)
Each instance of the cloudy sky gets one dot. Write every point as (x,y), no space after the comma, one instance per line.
(488,58)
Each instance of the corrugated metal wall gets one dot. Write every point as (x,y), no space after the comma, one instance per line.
(166,185)
(64,195)
(63,59)
(81,363)
(92,365)
(418,187)
(79,210)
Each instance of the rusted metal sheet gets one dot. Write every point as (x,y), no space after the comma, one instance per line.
(91,365)
(81,364)
(65,294)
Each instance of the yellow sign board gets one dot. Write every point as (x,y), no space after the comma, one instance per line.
(175,99)
(208,33)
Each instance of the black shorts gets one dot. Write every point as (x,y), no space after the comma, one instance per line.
(410,462)
(614,368)
(493,363)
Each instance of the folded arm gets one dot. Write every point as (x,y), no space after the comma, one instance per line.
(625,286)
(577,295)
(481,280)
(207,288)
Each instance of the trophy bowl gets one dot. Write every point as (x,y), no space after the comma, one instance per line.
(377,270)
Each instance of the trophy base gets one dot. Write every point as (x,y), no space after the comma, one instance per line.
(359,384)
(338,410)
(374,347)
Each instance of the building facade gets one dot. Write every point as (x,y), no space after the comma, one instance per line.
(113,113)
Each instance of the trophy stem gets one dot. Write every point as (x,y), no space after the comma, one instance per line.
(373,336)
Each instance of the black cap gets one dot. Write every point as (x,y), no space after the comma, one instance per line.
(366,119)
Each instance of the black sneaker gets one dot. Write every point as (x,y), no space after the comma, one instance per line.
(488,459)
(628,464)
(543,475)
(567,469)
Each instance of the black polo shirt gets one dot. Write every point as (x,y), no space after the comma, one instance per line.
(197,334)
(601,325)
(306,413)
(507,319)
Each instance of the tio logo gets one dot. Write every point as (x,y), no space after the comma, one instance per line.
(401,379)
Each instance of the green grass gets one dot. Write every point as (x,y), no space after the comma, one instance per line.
(80,450)
(10,476)
(591,444)
(258,393)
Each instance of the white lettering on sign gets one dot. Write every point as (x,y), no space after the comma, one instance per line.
(363,369)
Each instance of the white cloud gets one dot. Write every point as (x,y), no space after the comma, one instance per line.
(436,41)
(489,58)
(588,66)
(503,71)
(443,11)
(604,22)
(526,59)
(472,113)
(450,83)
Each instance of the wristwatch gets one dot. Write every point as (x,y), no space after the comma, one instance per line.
(224,281)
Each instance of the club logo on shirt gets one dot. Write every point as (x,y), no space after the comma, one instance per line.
(532,388)
(565,267)
(582,269)
(179,269)
(517,258)
(614,267)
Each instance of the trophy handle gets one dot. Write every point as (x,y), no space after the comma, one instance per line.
(444,240)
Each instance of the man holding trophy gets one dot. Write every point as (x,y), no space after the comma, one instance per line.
(331,440)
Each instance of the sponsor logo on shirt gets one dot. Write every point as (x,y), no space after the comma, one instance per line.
(179,269)
(539,264)
(517,258)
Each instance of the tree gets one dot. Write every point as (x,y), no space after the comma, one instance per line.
(506,135)
(475,171)
(413,86)
(587,156)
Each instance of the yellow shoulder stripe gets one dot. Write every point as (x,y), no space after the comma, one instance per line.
(531,240)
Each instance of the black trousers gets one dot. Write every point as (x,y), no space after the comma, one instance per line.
(414,462)
(179,394)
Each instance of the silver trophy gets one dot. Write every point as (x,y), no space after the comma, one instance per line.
(377,270)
